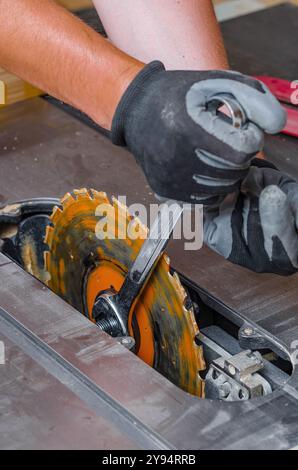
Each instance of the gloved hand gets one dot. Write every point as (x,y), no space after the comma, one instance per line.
(256,227)
(186,152)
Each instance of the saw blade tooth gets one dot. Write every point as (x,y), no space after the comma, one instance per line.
(67,200)
(90,194)
(81,194)
(142,229)
(122,218)
(186,317)
(103,197)
(122,208)
(179,289)
(99,195)
(56,214)
(202,365)
(49,235)
(167,260)
(191,320)
(178,286)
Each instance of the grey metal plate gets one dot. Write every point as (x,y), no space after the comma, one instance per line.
(4,260)
(39,412)
(178,418)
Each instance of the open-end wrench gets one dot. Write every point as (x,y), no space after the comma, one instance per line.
(111,309)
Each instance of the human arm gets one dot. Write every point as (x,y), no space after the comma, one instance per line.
(46,45)
(184,34)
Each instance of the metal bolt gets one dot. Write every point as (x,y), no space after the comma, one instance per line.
(126,341)
(232,370)
(107,324)
(248,331)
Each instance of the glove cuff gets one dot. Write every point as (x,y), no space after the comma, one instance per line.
(118,124)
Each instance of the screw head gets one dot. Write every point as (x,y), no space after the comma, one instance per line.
(232,370)
(224,390)
(126,341)
(248,331)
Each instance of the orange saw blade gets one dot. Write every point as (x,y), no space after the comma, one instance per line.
(80,265)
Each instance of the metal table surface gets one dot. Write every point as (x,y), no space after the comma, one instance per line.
(46,152)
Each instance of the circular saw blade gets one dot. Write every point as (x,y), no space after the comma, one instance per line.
(80,264)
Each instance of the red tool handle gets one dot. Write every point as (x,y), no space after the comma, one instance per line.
(284,92)
(282,89)
(291,127)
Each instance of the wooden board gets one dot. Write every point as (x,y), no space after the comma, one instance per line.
(13,89)
(2,92)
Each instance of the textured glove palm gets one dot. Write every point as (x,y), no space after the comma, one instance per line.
(256,227)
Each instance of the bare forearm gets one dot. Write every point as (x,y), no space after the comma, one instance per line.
(182,34)
(47,46)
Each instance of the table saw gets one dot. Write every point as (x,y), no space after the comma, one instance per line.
(66,383)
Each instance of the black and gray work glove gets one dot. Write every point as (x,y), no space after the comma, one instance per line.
(256,227)
(187,152)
